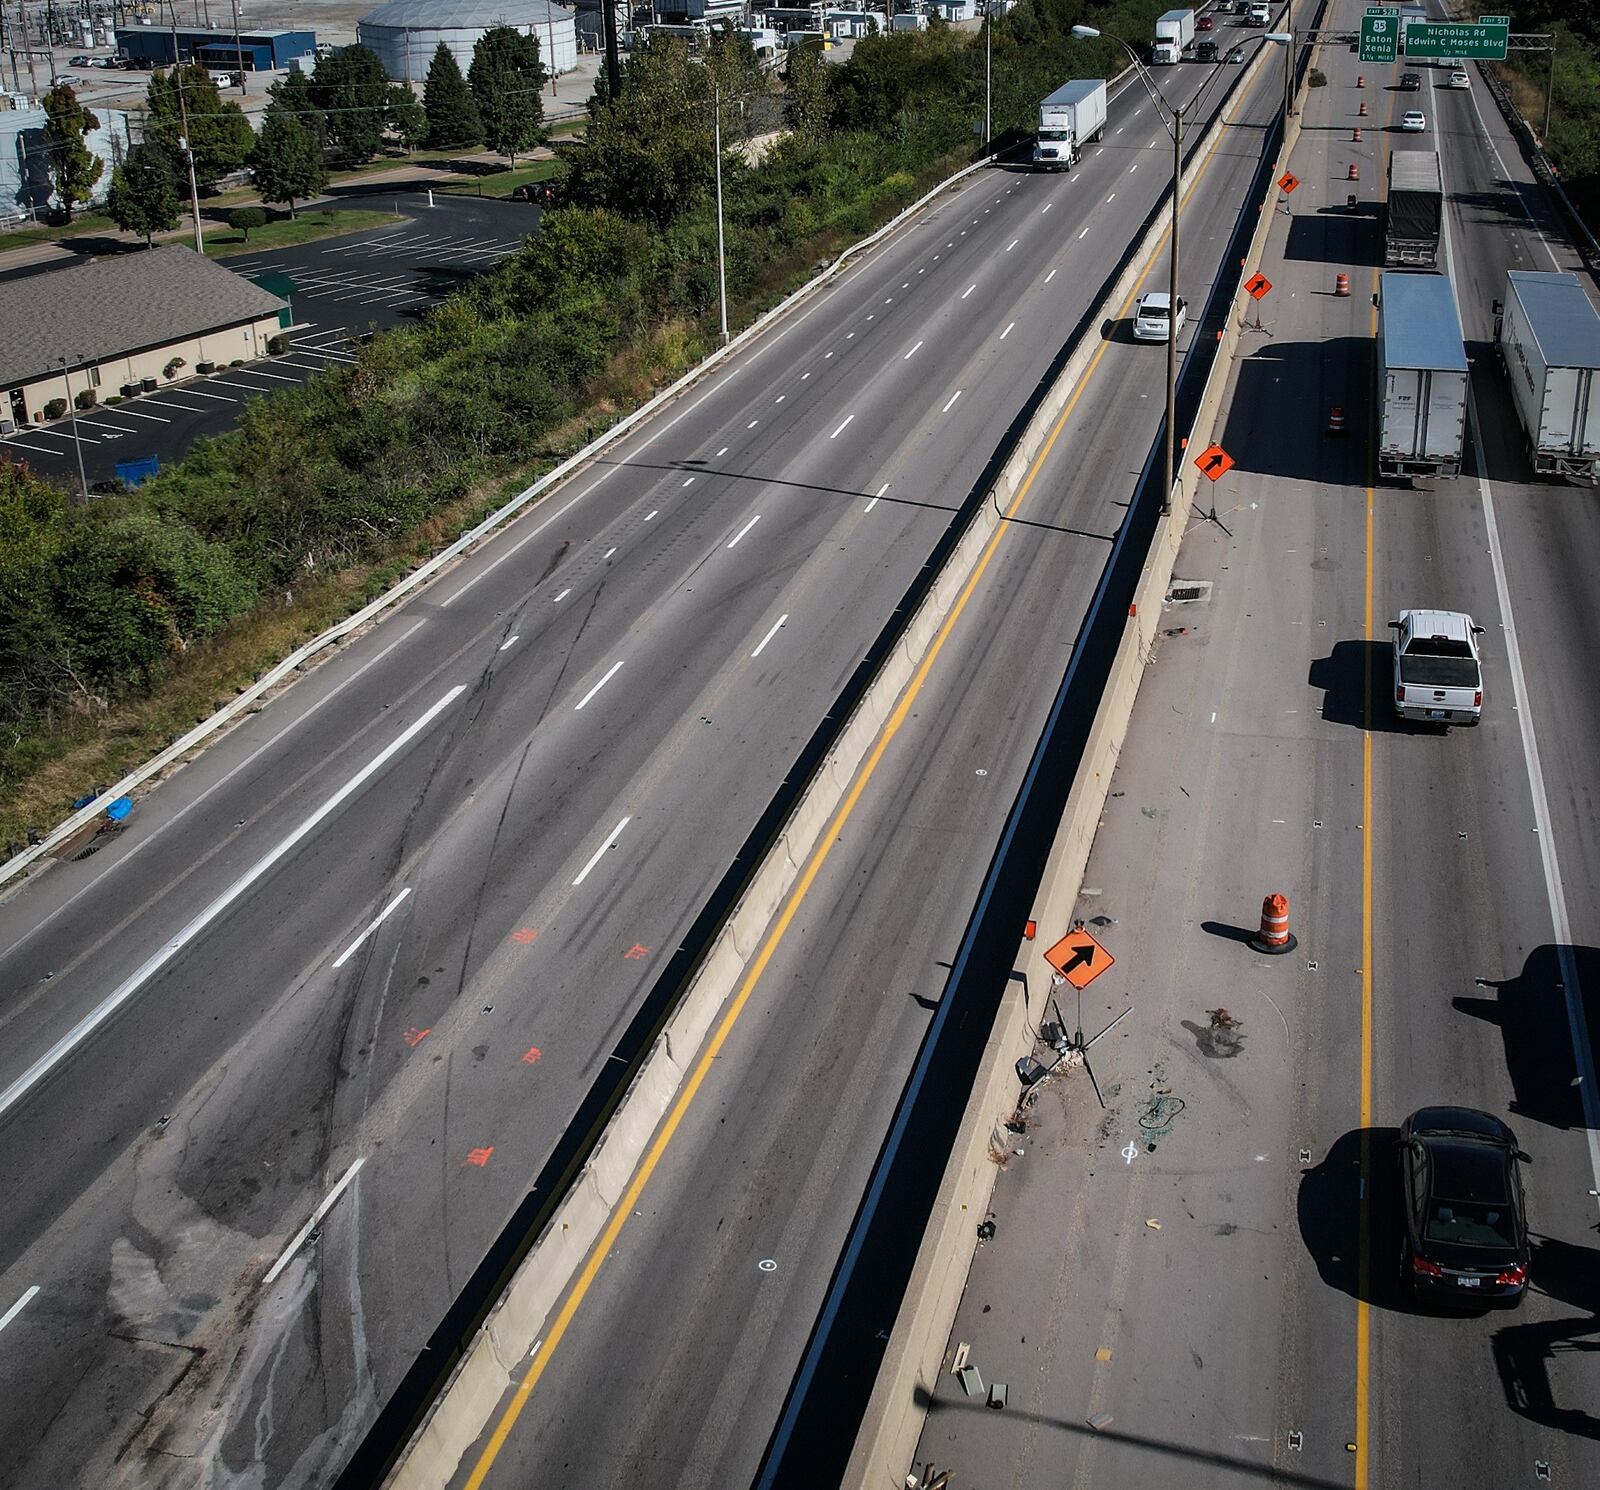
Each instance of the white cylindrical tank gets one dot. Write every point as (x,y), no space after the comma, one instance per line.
(406,33)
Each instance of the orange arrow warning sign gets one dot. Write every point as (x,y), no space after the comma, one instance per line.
(1214,462)
(1079,958)
(1257,286)
(1288,181)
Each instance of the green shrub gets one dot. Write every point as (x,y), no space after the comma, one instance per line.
(55,408)
(84,398)
(244,219)
(278,344)
(1316,78)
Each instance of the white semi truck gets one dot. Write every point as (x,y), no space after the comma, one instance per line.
(1549,338)
(1068,119)
(1174,35)
(1422,377)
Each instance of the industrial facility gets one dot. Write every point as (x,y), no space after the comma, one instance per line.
(257,51)
(406,33)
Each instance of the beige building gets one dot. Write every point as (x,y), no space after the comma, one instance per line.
(125,325)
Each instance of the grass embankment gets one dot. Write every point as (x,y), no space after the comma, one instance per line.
(285,232)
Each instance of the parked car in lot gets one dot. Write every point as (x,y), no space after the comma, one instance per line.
(1438,674)
(1151,321)
(1466,1226)
(81,60)
(1413,121)
(70,79)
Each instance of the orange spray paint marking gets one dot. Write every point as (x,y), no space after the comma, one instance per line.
(480,1157)
(636,953)
(530,1056)
(414,1037)
(525,936)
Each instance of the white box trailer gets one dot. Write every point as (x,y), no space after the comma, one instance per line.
(1174,33)
(1422,377)
(1548,334)
(1068,119)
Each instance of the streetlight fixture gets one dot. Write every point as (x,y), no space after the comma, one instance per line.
(1171,116)
(722,261)
(72,417)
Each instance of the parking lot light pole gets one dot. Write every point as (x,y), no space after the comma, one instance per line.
(1171,116)
(72,417)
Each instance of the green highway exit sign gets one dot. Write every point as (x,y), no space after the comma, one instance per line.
(1485,39)
(1380,35)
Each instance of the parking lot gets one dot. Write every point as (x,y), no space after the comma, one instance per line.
(343,287)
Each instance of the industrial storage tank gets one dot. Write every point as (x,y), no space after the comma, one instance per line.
(406,33)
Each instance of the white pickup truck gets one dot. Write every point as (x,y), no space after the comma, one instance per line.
(1437,676)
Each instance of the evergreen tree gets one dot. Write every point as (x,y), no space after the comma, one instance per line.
(218,133)
(453,121)
(145,192)
(74,167)
(286,164)
(506,76)
(351,89)
(408,121)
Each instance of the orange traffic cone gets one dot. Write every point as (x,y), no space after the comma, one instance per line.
(1341,286)
(1274,936)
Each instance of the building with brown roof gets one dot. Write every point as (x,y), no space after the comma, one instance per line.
(119,326)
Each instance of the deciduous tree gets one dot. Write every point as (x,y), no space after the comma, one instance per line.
(351,89)
(218,133)
(287,164)
(74,167)
(145,191)
(505,77)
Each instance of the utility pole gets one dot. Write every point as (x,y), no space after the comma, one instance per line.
(608,29)
(238,47)
(988,76)
(183,139)
(722,263)
(1549,92)
(1172,311)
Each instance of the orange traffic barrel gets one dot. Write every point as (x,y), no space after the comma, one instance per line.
(1356,137)
(1341,285)
(1355,172)
(1362,111)
(1274,936)
(1336,420)
(1361,80)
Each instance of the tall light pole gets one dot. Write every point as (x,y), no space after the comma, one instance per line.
(988,76)
(1171,116)
(72,416)
(722,262)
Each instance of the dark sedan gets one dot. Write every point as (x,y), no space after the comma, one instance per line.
(1466,1242)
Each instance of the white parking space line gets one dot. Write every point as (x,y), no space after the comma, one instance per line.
(310,1226)
(24,445)
(599,853)
(161,403)
(174,944)
(611,672)
(734,541)
(19,1306)
(777,626)
(256,372)
(372,926)
(221,398)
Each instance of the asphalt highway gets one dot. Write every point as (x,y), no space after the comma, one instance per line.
(1201,1283)
(279,1062)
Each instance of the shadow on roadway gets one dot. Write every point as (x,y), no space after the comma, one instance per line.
(1524,1353)
(1354,679)
(1248,1469)
(1531,1011)
(1284,393)
(1329,1212)
(1339,237)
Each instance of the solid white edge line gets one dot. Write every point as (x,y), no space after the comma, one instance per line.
(776,627)
(599,853)
(732,542)
(311,1225)
(835,435)
(372,926)
(1549,862)
(18,1307)
(175,944)
(611,672)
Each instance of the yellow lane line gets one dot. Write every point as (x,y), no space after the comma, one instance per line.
(625,1207)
